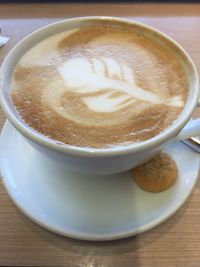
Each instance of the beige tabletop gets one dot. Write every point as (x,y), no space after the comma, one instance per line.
(174,243)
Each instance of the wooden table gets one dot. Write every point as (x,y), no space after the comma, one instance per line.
(176,242)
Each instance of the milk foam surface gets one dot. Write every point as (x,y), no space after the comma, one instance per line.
(99,86)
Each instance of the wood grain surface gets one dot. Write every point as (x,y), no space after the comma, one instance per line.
(174,243)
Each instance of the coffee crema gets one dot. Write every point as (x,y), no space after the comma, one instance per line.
(99,86)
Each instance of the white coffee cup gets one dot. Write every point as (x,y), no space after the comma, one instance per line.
(105,160)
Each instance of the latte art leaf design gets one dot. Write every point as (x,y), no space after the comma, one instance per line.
(104,85)
(84,76)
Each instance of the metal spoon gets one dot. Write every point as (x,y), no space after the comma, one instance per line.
(193,142)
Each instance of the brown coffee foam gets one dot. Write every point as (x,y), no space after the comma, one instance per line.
(156,70)
(71,133)
(142,53)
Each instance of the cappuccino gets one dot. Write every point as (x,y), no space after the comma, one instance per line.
(99,86)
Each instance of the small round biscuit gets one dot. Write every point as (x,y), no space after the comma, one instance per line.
(156,175)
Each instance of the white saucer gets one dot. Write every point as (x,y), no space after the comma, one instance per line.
(88,207)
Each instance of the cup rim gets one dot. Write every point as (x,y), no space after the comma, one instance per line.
(40,139)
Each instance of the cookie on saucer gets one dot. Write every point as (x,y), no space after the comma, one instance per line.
(156,175)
